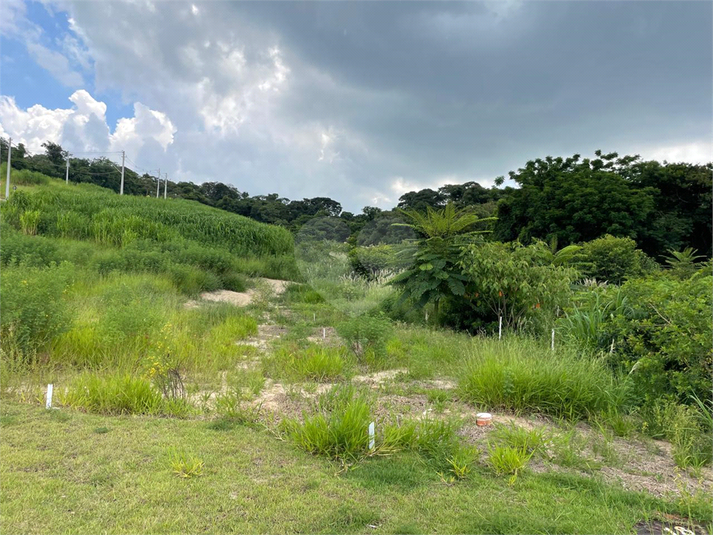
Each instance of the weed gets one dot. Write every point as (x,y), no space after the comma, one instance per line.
(532,441)
(507,460)
(120,394)
(232,407)
(186,465)
(339,429)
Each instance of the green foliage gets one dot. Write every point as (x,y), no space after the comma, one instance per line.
(119,220)
(34,310)
(574,200)
(185,465)
(522,375)
(508,460)
(372,261)
(531,441)
(435,274)
(611,259)
(684,263)
(120,394)
(315,363)
(338,428)
(233,409)
(366,334)
(686,427)
(519,284)
(656,329)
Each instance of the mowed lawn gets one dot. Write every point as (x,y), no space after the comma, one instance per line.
(68,472)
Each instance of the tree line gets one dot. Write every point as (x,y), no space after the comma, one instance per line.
(662,206)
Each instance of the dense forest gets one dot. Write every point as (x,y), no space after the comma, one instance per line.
(662,206)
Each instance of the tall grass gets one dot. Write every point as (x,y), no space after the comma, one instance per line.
(338,428)
(120,394)
(104,217)
(524,375)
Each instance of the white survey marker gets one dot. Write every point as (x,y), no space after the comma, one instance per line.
(48,403)
(371,436)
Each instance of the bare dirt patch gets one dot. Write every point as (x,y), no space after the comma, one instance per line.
(241,299)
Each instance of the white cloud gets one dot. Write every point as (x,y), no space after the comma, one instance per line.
(84,128)
(695,152)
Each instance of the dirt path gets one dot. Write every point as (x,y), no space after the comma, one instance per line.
(241,299)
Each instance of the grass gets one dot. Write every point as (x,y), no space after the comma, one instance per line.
(120,394)
(339,427)
(61,476)
(523,375)
(319,363)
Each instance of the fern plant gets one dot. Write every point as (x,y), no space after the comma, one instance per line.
(435,273)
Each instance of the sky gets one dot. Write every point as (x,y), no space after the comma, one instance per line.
(357,101)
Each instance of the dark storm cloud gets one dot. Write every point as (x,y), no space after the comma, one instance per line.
(458,87)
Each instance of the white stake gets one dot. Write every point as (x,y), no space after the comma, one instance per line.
(371,436)
(314,316)
(7,184)
(165,186)
(500,327)
(66,172)
(553,340)
(324,332)
(48,404)
(158,182)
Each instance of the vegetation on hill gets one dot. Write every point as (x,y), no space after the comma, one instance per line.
(416,329)
(662,206)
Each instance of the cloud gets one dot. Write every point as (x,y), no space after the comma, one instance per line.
(83,128)
(363,101)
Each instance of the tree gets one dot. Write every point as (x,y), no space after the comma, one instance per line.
(573,200)
(436,274)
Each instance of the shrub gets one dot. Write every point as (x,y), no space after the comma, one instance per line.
(233,282)
(656,329)
(371,261)
(366,334)
(33,307)
(611,259)
(522,375)
(514,282)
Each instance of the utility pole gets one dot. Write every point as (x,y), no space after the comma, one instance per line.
(158,182)
(123,157)
(7,184)
(165,186)
(66,173)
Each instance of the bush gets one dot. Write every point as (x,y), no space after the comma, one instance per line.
(612,259)
(366,334)
(513,282)
(524,376)
(656,329)
(371,261)
(33,307)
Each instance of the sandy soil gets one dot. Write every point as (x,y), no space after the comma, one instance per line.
(241,299)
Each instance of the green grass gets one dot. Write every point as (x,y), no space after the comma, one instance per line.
(523,375)
(120,394)
(290,362)
(59,476)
